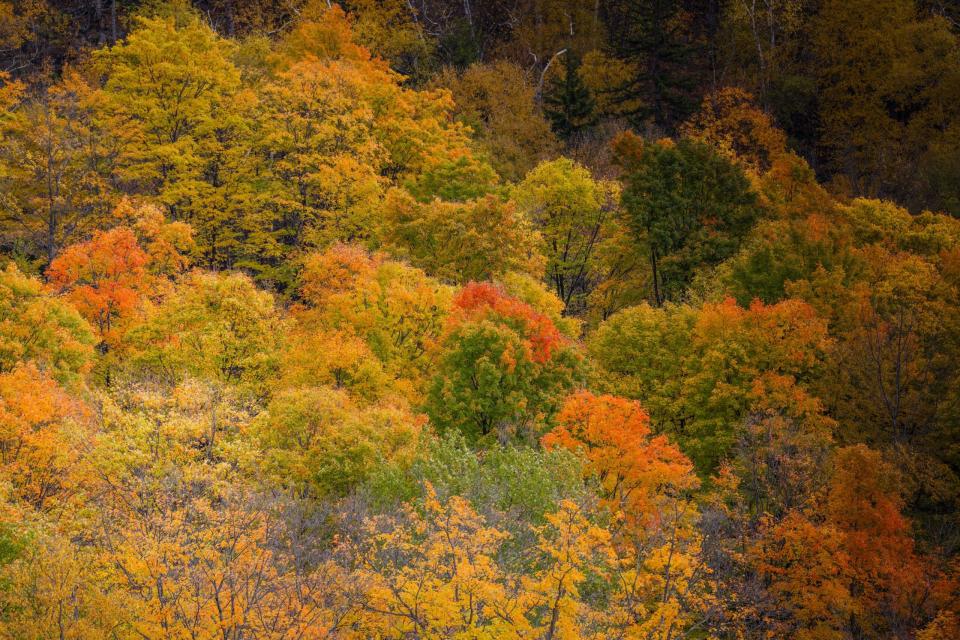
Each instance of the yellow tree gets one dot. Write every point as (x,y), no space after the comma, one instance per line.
(36,326)
(174,98)
(462,242)
(55,159)
(575,215)
(646,485)
(497,102)
(433,575)
(378,310)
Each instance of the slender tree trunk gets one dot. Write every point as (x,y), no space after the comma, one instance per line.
(656,277)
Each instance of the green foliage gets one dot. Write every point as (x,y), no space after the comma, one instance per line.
(214,326)
(574,214)
(500,369)
(458,179)
(689,205)
(695,369)
(568,102)
(520,483)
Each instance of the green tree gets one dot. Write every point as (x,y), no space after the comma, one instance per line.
(568,103)
(501,368)
(697,370)
(689,205)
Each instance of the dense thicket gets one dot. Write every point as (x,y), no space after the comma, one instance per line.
(522,319)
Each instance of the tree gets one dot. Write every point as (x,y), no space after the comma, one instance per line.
(321,154)
(689,205)
(636,470)
(886,575)
(646,484)
(695,369)
(500,367)
(215,327)
(40,328)
(661,40)
(783,450)
(318,442)
(497,102)
(381,316)
(574,215)
(174,98)
(568,102)
(56,160)
(730,122)
(803,565)
(38,439)
(460,242)
(105,279)
(393,31)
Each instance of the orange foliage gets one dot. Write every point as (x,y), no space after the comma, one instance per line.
(335,270)
(34,454)
(634,467)
(480,300)
(103,278)
(730,121)
(791,329)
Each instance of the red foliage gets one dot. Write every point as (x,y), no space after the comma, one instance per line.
(485,300)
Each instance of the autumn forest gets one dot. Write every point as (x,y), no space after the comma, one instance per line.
(479,319)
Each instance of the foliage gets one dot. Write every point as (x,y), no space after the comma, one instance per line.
(688,204)
(695,368)
(459,242)
(38,327)
(307,329)
(500,367)
(574,214)
(497,102)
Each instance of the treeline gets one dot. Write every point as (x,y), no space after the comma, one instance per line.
(310,328)
(866,92)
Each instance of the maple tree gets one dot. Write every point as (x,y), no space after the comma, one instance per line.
(634,468)
(500,366)
(104,279)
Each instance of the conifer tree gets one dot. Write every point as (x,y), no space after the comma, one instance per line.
(569,105)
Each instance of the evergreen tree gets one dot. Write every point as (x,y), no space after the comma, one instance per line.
(568,104)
